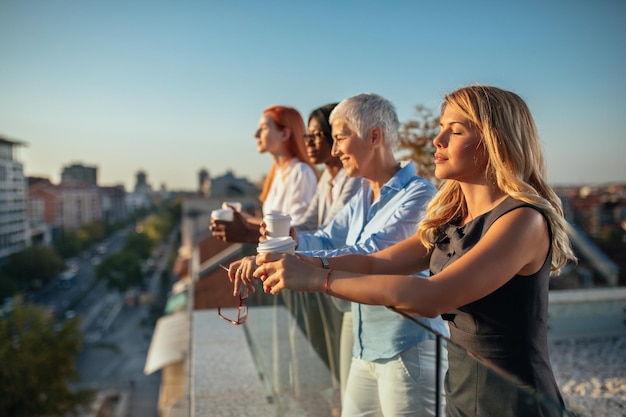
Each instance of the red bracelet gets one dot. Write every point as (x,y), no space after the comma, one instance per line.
(326,286)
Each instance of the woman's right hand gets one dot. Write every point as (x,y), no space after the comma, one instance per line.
(240,273)
(239,230)
(263,232)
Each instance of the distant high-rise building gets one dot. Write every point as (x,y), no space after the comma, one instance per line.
(141,195)
(204,183)
(79,174)
(141,183)
(13,215)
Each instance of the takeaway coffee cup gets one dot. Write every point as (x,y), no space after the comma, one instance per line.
(234,204)
(277,245)
(222,214)
(277,224)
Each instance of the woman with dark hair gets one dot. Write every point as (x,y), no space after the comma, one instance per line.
(334,187)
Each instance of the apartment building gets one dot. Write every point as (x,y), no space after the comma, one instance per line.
(13,215)
(78,204)
(42,209)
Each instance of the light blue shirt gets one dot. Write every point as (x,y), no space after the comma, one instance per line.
(361,227)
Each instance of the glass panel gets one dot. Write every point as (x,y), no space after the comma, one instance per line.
(295,339)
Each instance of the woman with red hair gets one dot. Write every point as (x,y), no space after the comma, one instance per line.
(291,183)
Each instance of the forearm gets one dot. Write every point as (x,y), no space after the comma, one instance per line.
(355,263)
(412,295)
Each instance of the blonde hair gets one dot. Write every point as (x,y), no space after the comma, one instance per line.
(287,117)
(515,165)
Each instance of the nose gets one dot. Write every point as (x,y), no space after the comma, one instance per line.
(334,151)
(257,134)
(438,141)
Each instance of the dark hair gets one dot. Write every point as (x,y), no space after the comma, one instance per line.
(322,114)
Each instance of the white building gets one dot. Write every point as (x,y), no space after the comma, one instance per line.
(78,205)
(13,194)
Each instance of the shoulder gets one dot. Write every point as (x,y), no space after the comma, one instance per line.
(522,211)
(302,169)
(419,185)
(523,223)
(350,184)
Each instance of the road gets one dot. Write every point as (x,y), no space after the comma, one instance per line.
(117,337)
(113,364)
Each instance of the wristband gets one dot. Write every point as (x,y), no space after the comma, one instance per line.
(326,284)
(325,263)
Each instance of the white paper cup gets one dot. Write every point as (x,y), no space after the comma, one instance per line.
(277,245)
(234,204)
(277,224)
(225,215)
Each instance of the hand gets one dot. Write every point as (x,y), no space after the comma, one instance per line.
(279,271)
(293,234)
(240,273)
(239,230)
(263,232)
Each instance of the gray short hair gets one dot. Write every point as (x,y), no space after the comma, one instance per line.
(365,111)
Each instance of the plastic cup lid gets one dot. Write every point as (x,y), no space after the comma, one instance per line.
(275,215)
(276,244)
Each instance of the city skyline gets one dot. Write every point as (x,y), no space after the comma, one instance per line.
(170,89)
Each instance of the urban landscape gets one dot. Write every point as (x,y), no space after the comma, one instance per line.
(449,177)
(121,365)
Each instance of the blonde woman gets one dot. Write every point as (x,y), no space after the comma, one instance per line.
(491,237)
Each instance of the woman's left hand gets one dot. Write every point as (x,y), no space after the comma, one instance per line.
(280,271)
(240,273)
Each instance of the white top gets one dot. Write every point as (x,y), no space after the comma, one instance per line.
(292,190)
(323,208)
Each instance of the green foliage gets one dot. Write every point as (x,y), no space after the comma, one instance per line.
(139,244)
(67,243)
(157,227)
(91,233)
(38,356)
(121,271)
(416,137)
(32,265)
(8,286)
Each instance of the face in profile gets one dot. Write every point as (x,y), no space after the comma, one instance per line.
(460,154)
(317,146)
(353,152)
(269,137)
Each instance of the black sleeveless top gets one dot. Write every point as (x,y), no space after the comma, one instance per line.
(507,328)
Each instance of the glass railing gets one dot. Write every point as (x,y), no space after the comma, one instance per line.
(295,339)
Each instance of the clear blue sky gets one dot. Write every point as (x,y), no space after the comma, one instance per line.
(171,87)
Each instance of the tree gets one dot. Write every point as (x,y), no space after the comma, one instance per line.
(416,137)
(67,243)
(139,244)
(121,271)
(33,265)
(38,356)
(91,233)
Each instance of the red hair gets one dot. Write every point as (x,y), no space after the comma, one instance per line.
(287,117)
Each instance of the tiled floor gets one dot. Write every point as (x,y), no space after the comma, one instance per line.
(270,371)
(224,376)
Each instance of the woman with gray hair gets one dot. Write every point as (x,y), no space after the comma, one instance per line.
(393,366)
